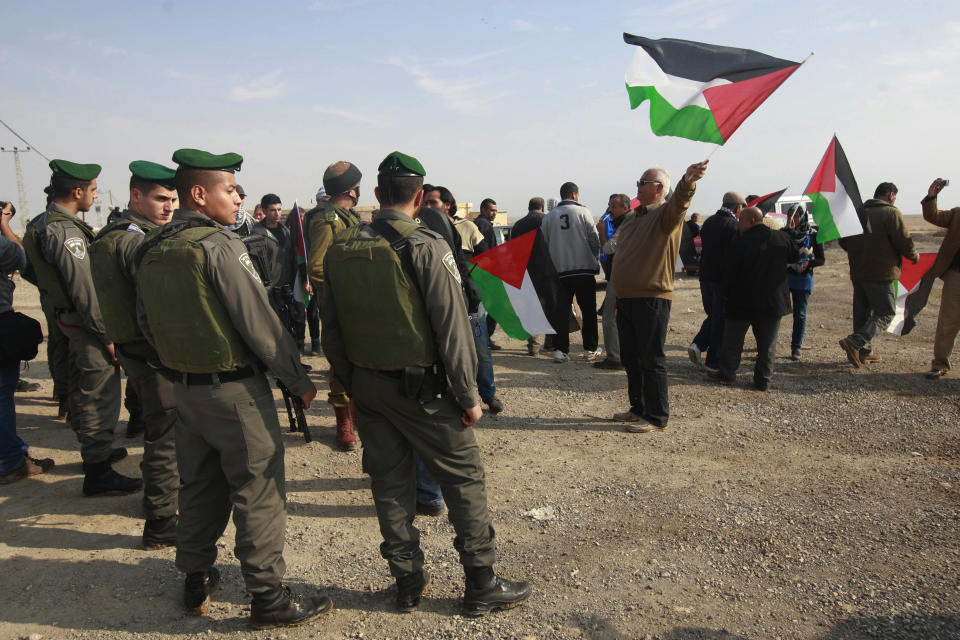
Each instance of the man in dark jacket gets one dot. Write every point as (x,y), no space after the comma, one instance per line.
(719,230)
(757,295)
(526,224)
(875,257)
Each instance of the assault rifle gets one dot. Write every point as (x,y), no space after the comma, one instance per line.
(281,299)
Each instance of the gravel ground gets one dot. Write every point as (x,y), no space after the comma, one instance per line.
(825,508)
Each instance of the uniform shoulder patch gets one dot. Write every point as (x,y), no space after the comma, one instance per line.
(134,228)
(247,264)
(76,247)
(451,264)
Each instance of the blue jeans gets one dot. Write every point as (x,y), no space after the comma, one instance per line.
(428,491)
(800,299)
(485,385)
(710,337)
(12,448)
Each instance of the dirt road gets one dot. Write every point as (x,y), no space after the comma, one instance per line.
(825,508)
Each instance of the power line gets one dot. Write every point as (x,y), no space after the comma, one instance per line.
(24,140)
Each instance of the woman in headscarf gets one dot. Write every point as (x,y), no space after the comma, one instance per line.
(800,273)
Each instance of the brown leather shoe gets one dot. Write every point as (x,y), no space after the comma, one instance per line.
(870,359)
(935,373)
(30,467)
(346,438)
(853,353)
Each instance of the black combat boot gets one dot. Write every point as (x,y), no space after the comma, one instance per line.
(410,589)
(116,455)
(486,592)
(197,590)
(99,479)
(282,609)
(159,533)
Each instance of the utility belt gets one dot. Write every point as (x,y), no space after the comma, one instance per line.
(196,379)
(423,384)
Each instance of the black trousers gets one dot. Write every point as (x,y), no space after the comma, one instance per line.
(642,323)
(765,331)
(585,290)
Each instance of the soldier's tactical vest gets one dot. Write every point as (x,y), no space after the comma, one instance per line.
(382,316)
(48,277)
(191,329)
(329,214)
(116,294)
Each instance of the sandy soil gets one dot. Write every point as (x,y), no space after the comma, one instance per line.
(825,508)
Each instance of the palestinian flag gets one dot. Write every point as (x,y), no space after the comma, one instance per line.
(300,282)
(835,196)
(700,91)
(768,203)
(519,286)
(907,288)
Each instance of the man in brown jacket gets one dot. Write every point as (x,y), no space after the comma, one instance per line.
(947,267)
(875,257)
(647,248)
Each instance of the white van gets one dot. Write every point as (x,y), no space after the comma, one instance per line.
(784,204)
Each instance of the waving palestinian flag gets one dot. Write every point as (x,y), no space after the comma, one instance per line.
(700,91)
(300,282)
(768,203)
(835,195)
(519,286)
(912,289)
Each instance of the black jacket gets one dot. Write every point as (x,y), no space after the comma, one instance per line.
(486,228)
(527,223)
(716,234)
(755,275)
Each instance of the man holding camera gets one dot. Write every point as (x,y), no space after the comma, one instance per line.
(947,267)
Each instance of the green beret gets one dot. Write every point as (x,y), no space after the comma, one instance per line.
(196,159)
(153,172)
(400,164)
(73,170)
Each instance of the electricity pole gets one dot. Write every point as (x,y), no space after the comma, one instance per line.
(21,189)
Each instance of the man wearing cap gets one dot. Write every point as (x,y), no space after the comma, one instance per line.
(112,259)
(395,330)
(647,248)
(57,244)
(717,234)
(202,306)
(341,183)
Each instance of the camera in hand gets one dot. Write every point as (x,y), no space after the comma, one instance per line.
(13,209)
(944,182)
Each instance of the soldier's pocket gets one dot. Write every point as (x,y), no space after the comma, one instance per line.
(261,436)
(443,409)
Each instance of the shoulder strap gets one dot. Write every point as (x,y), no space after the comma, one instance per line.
(168,231)
(401,244)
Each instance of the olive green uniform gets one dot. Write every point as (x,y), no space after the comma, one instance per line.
(229,447)
(114,275)
(320,225)
(394,427)
(58,350)
(59,247)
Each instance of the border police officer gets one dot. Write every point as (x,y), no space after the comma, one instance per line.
(204,309)
(395,331)
(112,254)
(57,244)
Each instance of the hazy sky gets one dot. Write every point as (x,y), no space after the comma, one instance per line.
(499,99)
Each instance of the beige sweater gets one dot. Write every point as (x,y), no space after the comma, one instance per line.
(647,247)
